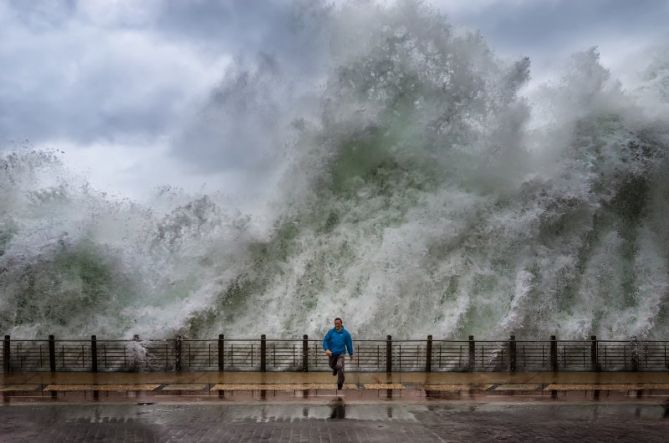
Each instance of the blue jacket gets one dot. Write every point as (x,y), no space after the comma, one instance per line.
(338,341)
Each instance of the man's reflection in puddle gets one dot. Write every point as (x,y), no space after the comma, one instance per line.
(338,409)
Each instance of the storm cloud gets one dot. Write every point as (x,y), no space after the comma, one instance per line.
(217,87)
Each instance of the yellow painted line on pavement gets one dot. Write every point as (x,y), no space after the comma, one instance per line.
(384,386)
(518,387)
(658,386)
(332,386)
(456,387)
(106,388)
(15,388)
(622,387)
(184,387)
(276,386)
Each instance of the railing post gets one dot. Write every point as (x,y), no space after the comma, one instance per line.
(221,352)
(472,354)
(263,349)
(6,354)
(428,354)
(305,353)
(512,353)
(177,354)
(389,354)
(554,354)
(635,354)
(52,353)
(594,364)
(94,353)
(134,362)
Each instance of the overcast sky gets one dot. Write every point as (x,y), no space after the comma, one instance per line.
(137,93)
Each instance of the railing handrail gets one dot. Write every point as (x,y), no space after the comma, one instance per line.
(304,354)
(395,340)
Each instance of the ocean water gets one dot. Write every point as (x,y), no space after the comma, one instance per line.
(425,189)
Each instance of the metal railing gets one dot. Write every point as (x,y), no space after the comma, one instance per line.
(387,355)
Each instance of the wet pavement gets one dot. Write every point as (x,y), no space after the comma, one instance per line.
(307,407)
(326,377)
(335,421)
(315,386)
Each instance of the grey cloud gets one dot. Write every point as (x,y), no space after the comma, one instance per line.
(94,109)
(291,30)
(545,25)
(74,81)
(238,125)
(57,80)
(52,85)
(247,118)
(40,15)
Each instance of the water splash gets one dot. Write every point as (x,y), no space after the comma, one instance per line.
(427,196)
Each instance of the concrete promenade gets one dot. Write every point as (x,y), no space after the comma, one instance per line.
(335,421)
(300,386)
(306,407)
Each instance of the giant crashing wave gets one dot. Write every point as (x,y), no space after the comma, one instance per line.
(427,197)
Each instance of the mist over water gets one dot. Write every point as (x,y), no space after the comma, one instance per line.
(419,187)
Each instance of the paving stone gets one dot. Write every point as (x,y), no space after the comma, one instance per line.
(372,386)
(456,387)
(109,388)
(591,387)
(278,386)
(335,422)
(622,387)
(518,387)
(15,388)
(184,387)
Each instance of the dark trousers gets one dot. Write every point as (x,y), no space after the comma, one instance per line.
(337,362)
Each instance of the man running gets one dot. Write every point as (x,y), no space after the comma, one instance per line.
(335,343)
